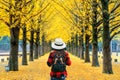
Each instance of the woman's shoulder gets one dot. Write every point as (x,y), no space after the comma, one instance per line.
(52,52)
(66,52)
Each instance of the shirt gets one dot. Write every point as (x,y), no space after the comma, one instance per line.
(50,62)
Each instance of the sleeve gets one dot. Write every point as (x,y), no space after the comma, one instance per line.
(50,60)
(68,61)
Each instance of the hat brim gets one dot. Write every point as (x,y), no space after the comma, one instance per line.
(58,47)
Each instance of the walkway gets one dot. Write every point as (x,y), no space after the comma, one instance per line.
(38,70)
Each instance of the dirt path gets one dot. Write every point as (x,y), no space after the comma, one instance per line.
(38,70)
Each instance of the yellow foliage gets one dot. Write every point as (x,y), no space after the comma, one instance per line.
(56,19)
(21,34)
(57,28)
(4,30)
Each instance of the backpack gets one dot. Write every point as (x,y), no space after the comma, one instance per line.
(59,61)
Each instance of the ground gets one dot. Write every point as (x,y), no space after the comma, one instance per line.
(38,70)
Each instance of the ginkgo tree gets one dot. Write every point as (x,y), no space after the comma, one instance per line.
(26,10)
(11,16)
(109,30)
(33,21)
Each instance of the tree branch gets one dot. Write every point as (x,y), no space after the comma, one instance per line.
(118,21)
(99,29)
(114,27)
(114,17)
(114,35)
(5,22)
(38,12)
(4,3)
(99,23)
(77,6)
(66,10)
(116,6)
(4,9)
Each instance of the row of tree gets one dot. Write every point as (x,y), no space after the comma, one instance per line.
(88,21)
(95,21)
(24,20)
(92,21)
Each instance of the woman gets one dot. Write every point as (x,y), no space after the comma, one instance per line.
(60,58)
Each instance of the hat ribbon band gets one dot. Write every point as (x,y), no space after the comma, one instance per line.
(58,44)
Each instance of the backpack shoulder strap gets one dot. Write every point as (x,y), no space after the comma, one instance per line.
(59,54)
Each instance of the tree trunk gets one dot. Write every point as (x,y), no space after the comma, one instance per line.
(107,65)
(68,47)
(76,45)
(73,45)
(95,55)
(37,45)
(13,60)
(95,35)
(24,54)
(40,49)
(81,47)
(31,45)
(87,36)
(87,57)
(43,45)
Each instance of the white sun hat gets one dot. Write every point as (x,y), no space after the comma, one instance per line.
(58,44)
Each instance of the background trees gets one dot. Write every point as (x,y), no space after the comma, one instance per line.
(16,14)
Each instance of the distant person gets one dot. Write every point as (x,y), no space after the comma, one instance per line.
(58,59)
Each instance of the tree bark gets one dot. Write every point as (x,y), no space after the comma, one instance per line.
(37,43)
(94,35)
(31,45)
(73,45)
(107,65)
(76,45)
(68,47)
(81,47)
(87,56)
(24,54)
(43,44)
(13,60)
(95,61)
(40,49)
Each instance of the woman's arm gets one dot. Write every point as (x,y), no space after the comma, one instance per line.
(68,61)
(50,60)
